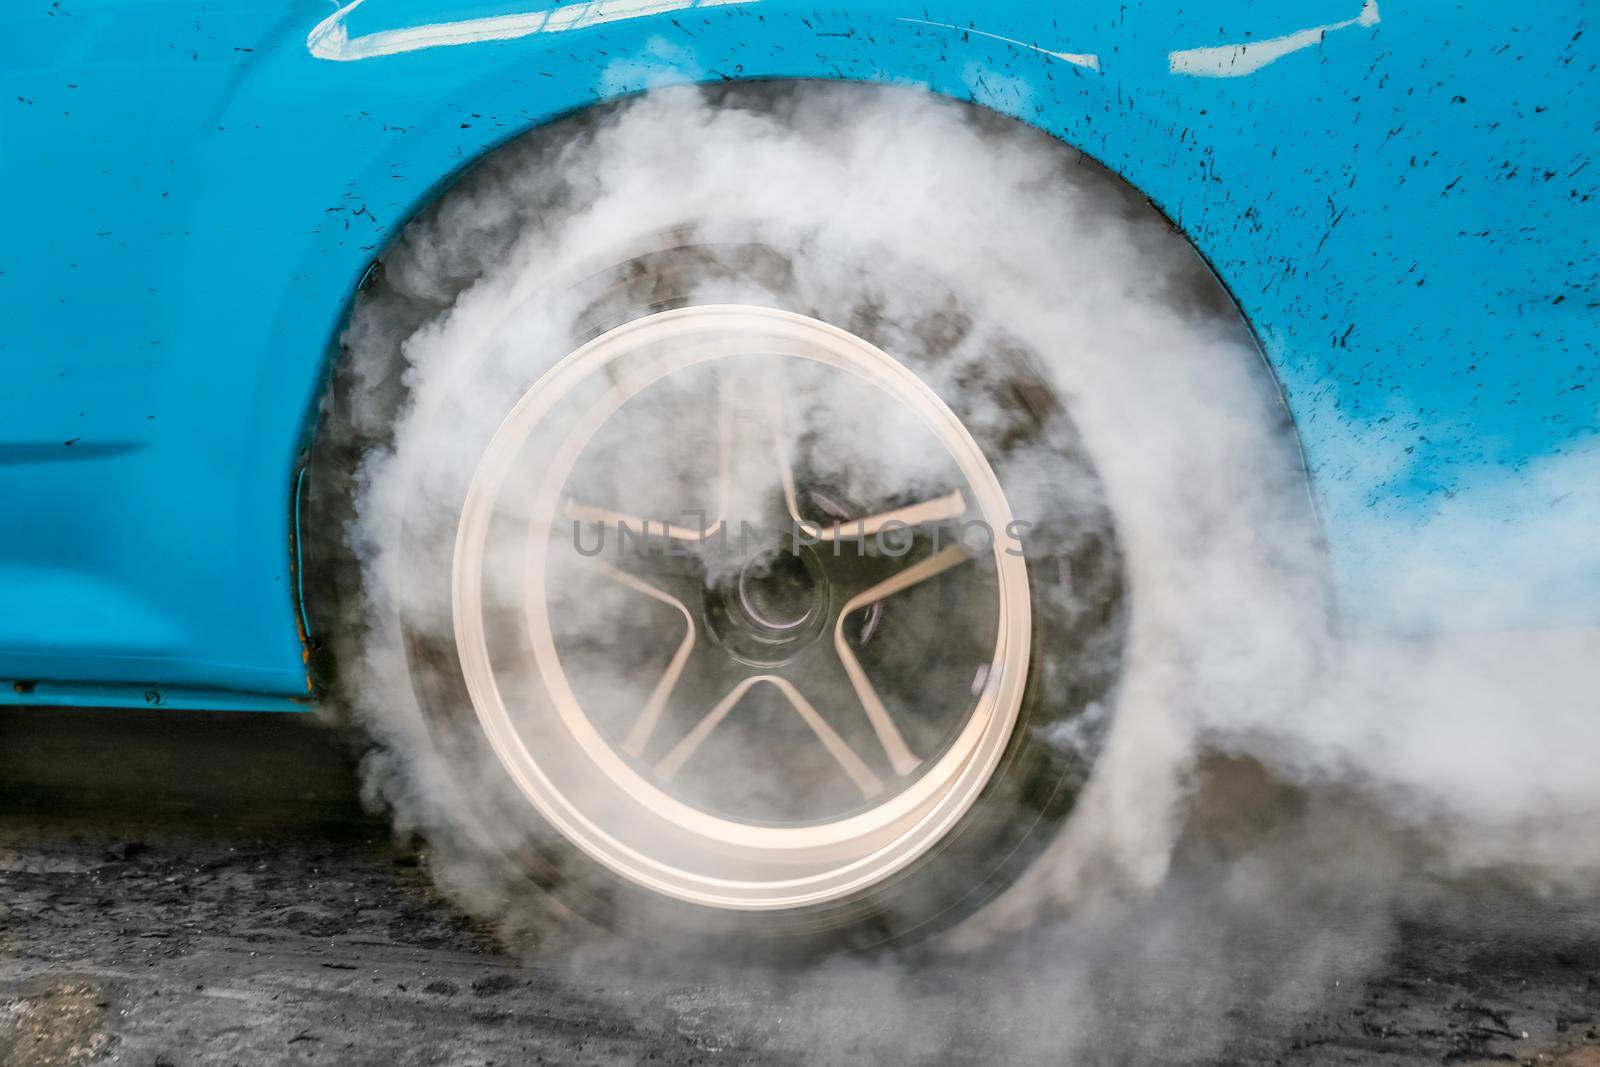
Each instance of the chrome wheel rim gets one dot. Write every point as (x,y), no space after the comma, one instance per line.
(615,792)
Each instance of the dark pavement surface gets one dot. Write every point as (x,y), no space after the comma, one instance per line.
(181,888)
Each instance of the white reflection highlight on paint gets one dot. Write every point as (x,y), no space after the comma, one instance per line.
(330,39)
(1236,60)
(1081,59)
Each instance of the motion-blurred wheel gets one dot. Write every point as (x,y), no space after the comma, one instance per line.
(748,561)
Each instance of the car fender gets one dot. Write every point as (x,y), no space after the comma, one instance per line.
(1401,202)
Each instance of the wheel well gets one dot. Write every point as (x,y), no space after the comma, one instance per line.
(327,574)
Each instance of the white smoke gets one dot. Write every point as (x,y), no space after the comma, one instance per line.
(1484,747)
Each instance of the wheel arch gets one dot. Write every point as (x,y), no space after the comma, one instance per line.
(457,170)
(445,139)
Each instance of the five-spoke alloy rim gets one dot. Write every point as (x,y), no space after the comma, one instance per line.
(614,791)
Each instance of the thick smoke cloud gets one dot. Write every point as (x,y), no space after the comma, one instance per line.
(1441,753)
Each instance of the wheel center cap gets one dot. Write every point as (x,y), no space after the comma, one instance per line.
(771,608)
(777,594)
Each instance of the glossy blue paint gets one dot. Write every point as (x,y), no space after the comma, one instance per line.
(1404,205)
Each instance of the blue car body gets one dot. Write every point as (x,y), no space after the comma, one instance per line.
(1403,202)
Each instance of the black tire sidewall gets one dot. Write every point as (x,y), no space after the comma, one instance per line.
(1028,795)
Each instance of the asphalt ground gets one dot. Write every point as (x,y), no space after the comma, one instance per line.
(183,888)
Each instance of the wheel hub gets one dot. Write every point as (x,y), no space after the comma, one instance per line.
(772,609)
